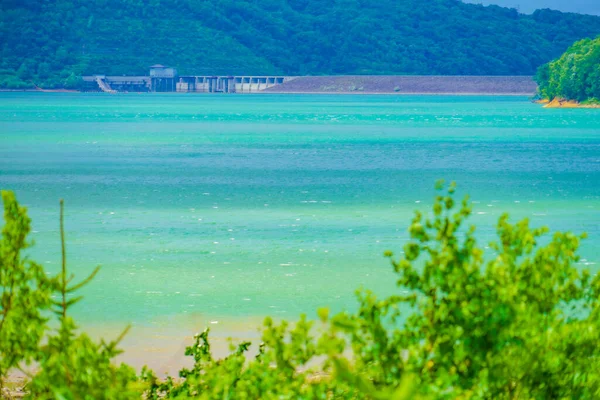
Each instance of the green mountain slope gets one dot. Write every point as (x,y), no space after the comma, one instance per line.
(51,43)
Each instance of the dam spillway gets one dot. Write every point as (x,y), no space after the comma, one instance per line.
(166,79)
(228,84)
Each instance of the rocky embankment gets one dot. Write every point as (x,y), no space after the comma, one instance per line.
(482,85)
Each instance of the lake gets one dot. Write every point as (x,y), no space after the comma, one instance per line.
(231,207)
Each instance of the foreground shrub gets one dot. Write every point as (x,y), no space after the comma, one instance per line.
(69,365)
(25,292)
(279,371)
(521,321)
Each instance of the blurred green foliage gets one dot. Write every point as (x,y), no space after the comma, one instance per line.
(25,291)
(520,322)
(573,76)
(51,43)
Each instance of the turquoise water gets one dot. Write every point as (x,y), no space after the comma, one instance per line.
(248,205)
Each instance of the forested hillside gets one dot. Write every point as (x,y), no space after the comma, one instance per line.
(52,43)
(575,75)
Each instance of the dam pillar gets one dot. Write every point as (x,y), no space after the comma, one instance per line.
(162,79)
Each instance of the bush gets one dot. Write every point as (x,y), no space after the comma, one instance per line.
(69,366)
(521,322)
(25,292)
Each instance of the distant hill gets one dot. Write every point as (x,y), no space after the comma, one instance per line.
(529,6)
(50,43)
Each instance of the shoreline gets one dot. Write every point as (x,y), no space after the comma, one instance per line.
(41,90)
(563,103)
(274,92)
(160,344)
(440,85)
(400,93)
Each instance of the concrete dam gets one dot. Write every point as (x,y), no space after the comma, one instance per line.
(166,79)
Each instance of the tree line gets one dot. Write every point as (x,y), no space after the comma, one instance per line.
(51,44)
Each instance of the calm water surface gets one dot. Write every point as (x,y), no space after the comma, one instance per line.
(248,205)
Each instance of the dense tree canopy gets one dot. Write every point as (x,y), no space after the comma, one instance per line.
(51,43)
(575,75)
